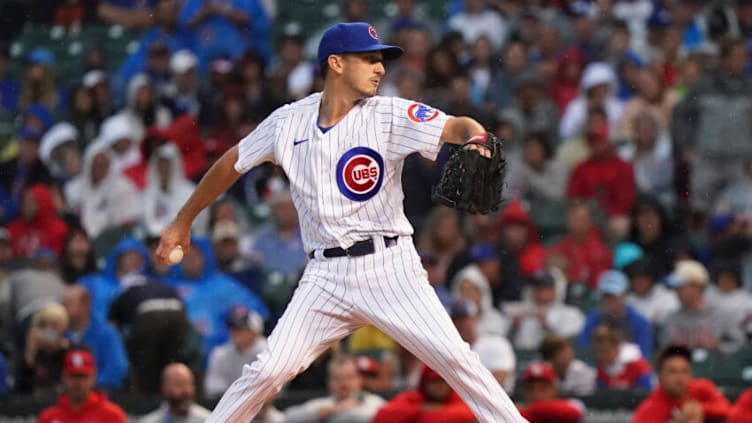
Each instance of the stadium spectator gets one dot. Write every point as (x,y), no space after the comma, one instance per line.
(167,188)
(652,232)
(164,30)
(59,151)
(736,198)
(226,28)
(533,109)
(77,259)
(651,154)
(10,90)
(292,73)
(541,180)
(727,292)
(39,367)
(182,94)
(495,351)
(101,196)
(98,336)
(280,247)
(514,65)
(38,226)
(586,255)
(697,324)
(433,400)
(741,411)
(653,99)
(680,397)
(565,86)
(83,115)
(39,85)
(597,91)
(21,172)
(471,284)
(476,20)
(208,293)
(226,127)
(541,397)
(153,321)
(647,295)
(6,255)
(542,314)
(603,176)
(225,238)
(135,14)
(80,402)
(129,256)
(573,376)
(520,237)
(708,113)
(619,364)
(614,311)
(178,393)
(346,402)
(97,82)
(226,361)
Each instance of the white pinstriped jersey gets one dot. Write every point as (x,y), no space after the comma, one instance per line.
(345,182)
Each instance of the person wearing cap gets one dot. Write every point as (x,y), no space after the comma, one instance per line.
(38,85)
(178,394)
(697,324)
(182,94)
(226,361)
(614,310)
(573,376)
(619,364)
(80,402)
(543,313)
(346,402)
(542,405)
(649,297)
(520,238)
(679,397)
(495,351)
(357,238)
(433,401)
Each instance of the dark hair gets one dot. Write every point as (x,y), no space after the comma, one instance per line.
(672,351)
(542,140)
(729,267)
(551,345)
(642,267)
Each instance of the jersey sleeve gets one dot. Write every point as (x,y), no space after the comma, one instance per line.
(258,146)
(416,127)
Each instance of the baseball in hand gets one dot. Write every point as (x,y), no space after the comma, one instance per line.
(176,255)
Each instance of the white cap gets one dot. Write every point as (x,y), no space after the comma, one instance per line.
(182,61)
(94,77)
(55,136)
(686,272)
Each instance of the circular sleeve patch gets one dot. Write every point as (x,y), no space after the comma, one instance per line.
(360,172)
(420,113)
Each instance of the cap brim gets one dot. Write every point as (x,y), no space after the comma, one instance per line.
(675,281)
(389,52)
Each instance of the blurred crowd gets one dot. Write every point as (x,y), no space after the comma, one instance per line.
(622,255)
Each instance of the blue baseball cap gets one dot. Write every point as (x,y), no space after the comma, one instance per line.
(613,282)
(354,37)
(41,56)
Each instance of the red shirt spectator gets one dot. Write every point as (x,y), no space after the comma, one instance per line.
(38,225)
(520,237)
(741,412)
(586,254)
(80,403)
(603,176)
(433,402)
(619,364)
(541,396)
(566,86)
(679,397)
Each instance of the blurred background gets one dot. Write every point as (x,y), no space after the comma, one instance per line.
(626,227)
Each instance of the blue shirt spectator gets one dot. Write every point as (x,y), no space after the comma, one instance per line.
(227,28)
(3,376)
(614,311)
(129,256)
(9,87)
(165,31)
(208,293)
(98,336)
(280,247)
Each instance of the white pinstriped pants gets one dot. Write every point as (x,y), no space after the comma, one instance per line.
(336,296)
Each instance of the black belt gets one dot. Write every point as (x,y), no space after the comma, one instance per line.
(360,248)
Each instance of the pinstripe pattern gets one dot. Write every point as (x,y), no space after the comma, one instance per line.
(388,289)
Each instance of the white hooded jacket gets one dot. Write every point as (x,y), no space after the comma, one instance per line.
(160,206)
(491,320)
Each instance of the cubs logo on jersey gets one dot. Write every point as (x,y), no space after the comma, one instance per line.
(360,172)
(420,113)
